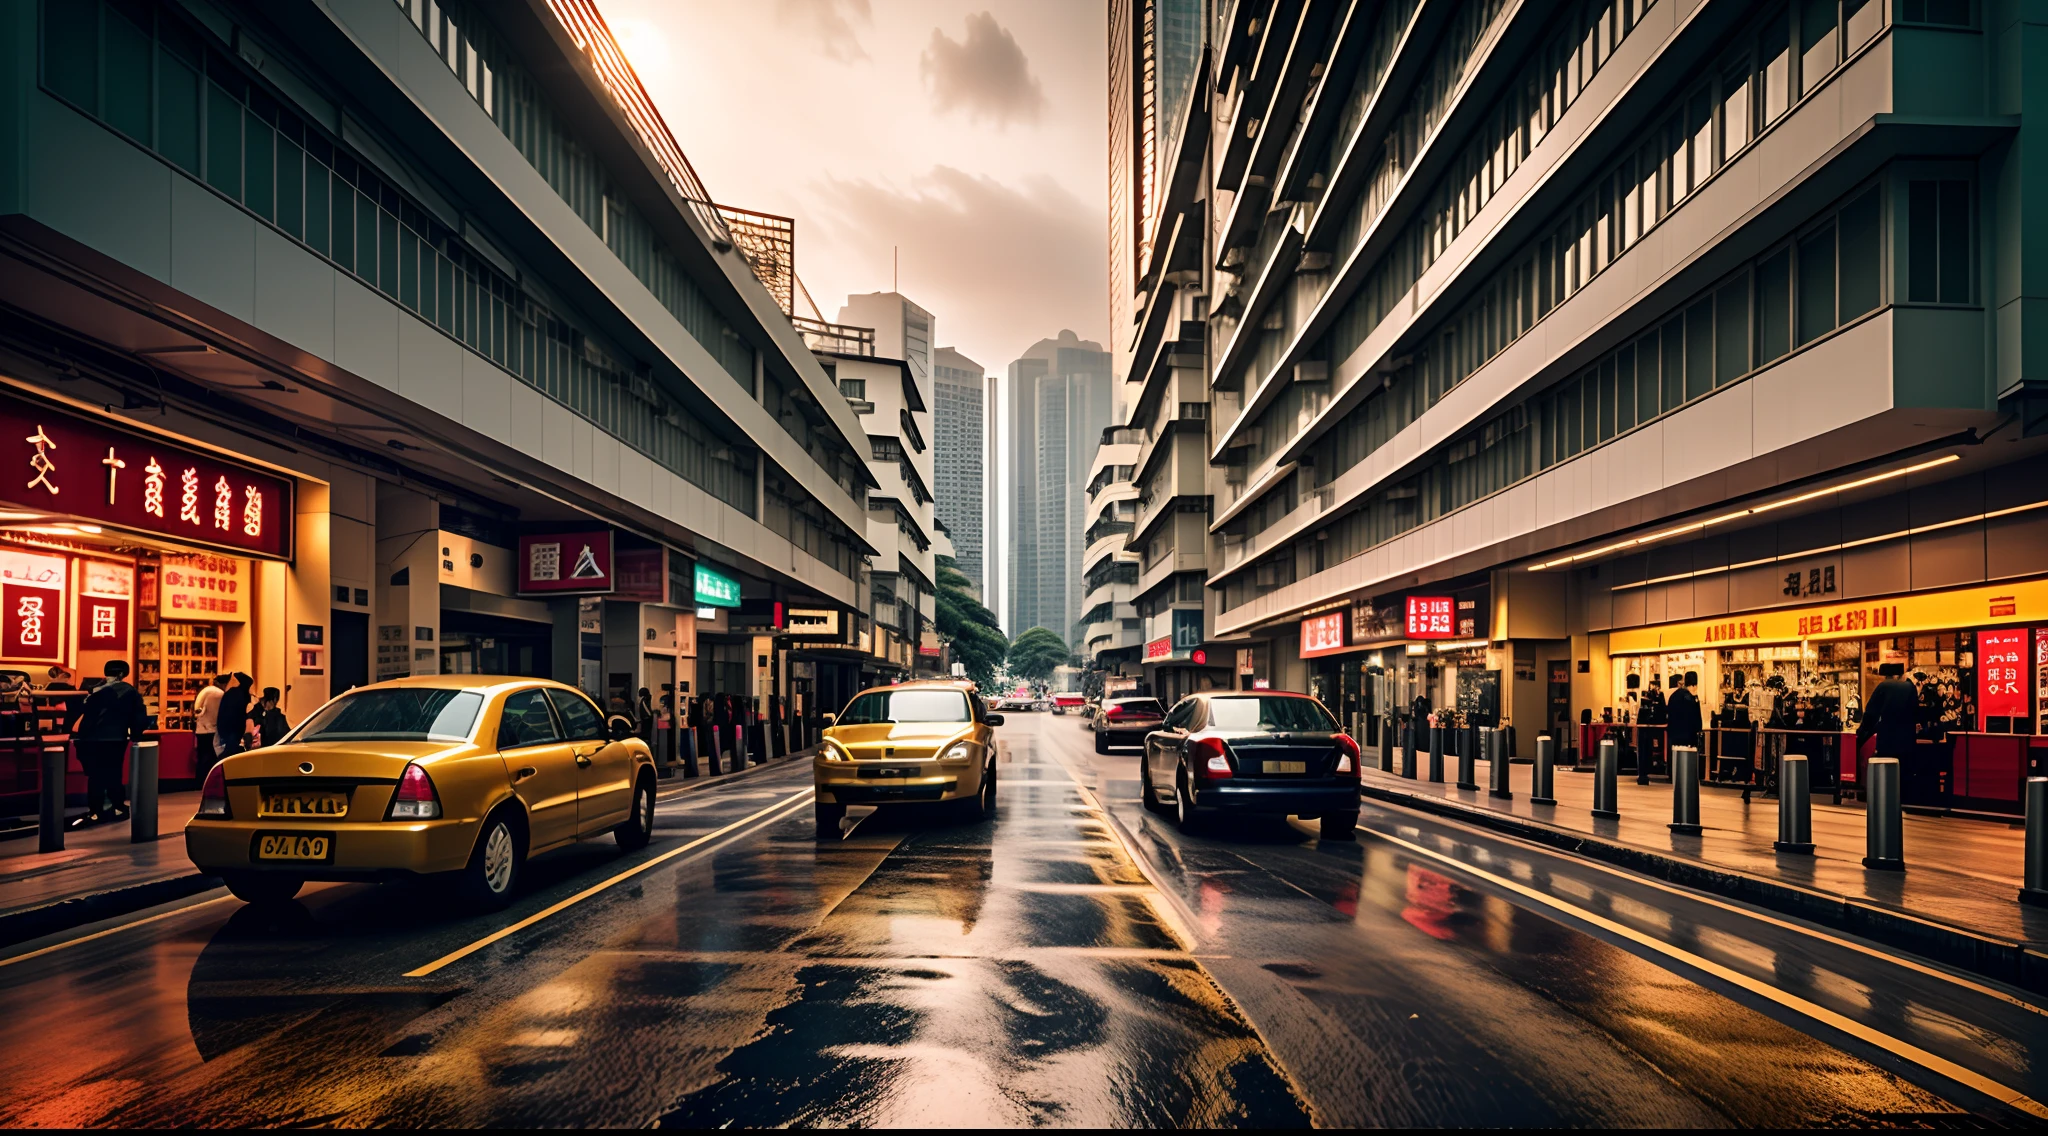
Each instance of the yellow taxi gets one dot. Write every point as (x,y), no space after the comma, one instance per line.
(919,742)
(461,777)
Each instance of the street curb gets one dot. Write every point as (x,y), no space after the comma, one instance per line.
(707,781)
(78,910)
(1997,959)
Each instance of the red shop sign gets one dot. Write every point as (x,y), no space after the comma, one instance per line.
(67,464)
(1160,648)
(102,624)
(2002,677)
(1430,617)
(566,562)
(31,623)
(1323,634)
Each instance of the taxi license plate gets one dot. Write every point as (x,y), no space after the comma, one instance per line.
(294,846)
(1287,767)
(322,804)
(888,772)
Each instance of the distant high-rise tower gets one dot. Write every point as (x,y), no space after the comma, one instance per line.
(1060,402)
(958,457)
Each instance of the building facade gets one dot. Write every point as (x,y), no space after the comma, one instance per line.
(1109,639)
(367,339)
(1060,402)
(960,413)
(1557,350)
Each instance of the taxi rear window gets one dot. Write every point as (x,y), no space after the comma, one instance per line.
(405,714)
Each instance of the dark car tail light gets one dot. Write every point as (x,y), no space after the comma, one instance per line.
(213,795)
(1349,760)
(415,799)
(1115,712)
(1206,758)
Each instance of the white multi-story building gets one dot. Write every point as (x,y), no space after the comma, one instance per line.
(960,413)
(1109,633)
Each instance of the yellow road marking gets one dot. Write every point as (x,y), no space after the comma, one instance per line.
(586,893)
(1765,917)
(6,962)
(1898,1048)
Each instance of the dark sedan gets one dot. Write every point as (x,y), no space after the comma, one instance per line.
(1126,721)
(1268,753)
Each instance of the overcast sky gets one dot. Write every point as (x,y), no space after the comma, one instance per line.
(972,135)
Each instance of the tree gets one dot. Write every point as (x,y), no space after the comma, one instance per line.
(978,641)
(1034,654)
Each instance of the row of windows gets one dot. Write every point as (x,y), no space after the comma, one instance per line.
(153,79)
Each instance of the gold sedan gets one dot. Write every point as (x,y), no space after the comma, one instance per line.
(923,742)
(452,776)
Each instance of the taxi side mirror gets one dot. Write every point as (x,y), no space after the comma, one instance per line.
(620,728)
(994,719)
(829,718)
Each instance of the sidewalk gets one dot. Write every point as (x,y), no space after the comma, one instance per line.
(100,874)
(1956,902)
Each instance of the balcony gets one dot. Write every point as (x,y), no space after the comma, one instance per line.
(835,338)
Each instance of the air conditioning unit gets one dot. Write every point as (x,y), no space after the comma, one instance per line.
(1312,371)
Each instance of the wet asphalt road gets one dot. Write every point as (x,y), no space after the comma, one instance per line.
(1012,972)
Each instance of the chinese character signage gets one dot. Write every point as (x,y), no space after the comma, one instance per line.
(1322,634)
(566,562)
(814,623)
(714,589)
(102,624)
(74,466)
(642,574)
(31,622)
(204,587)
(2002,677)
(1160,648)
(1952,610)
(1430,617)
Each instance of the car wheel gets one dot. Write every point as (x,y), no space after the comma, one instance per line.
(261,887)
(1187,814)
(828,818)
(1101,742)
(495,865)
(1146,795)
(638,829)
(1340,826)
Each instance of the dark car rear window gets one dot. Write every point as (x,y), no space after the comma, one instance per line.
(1270,715)
(1139,707)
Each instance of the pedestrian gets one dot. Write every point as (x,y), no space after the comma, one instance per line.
(271,726)
(113,717)
(1683,709)
(64,709)
(232,719)
(1893,717)
(643,715)
(206,720)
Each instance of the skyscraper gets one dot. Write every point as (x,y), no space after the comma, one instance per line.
(959,413)
(1060,402)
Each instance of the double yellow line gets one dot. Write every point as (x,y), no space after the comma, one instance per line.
(554,909)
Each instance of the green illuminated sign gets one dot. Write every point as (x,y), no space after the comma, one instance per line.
(715,590)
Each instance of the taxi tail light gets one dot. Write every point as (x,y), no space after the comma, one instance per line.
(1348,757)
(415,799)
(213,795)
(1206,757)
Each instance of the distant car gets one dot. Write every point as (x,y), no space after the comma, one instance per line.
(1068,703)
(1126,721)
(918,742)
(1265,753)
(1017,702)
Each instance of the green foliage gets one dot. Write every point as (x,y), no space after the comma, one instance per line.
(1034,654)
(977,639)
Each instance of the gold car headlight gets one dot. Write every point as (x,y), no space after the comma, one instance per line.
(833,751)
(958,751)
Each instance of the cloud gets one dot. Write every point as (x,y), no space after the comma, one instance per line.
(830,23)
(1001,266)
(985,75)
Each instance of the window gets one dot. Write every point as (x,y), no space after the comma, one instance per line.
(526,721)
(1938,242)
(394,715)
(1948,13)
(1269,715)
(1775,51)
(1819,46)
(1816,315)
(1862,259)
(580,719)
(877,707)
(1774,306)
(854,389)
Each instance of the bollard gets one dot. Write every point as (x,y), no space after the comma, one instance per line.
(1884,840)
(1795,804)
(1605,768)
(1408,741)
(50,806)
(687,741)
(1436,754)
(2034,890)
(1643,762)
(1685,790)
(1497,764)
(663,766)
(1387,744)
(142,793)
(713,756)
(1468,760)
(1540,788)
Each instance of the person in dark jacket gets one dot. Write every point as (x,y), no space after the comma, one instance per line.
(1892,714)
(271,726)
(112,717)
(1683,711)
(233,718)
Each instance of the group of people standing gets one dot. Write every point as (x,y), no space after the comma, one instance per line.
(227,722)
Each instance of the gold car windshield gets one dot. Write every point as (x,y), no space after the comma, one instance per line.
(907,706)
(404,714)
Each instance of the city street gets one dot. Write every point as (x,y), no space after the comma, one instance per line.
(1022,971)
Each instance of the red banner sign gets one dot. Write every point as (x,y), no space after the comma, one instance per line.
(1160,648)
(1430,617)
(2002,678)
(1323,634)
(31,623)
(65,464)
(102,624)
(566,562)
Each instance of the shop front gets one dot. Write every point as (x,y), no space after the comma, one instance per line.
(1796,680)
(121,545)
